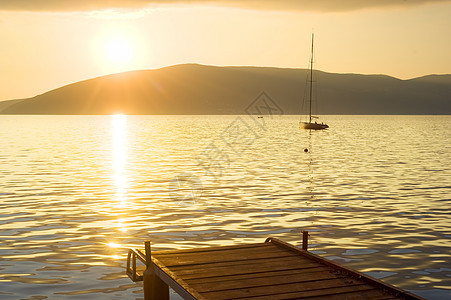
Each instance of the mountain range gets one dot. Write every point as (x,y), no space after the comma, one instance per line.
(202,89)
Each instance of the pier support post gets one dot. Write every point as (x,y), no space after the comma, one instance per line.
(154,287)
(304,240)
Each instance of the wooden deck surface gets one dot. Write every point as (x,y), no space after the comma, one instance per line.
(270,270)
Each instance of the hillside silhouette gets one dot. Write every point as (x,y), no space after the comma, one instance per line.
(201,89)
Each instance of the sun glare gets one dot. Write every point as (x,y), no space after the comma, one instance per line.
(114,245)
(119,51)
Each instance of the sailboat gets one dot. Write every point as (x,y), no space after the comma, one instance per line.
(309,124)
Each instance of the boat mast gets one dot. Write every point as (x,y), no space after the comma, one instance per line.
(311,82)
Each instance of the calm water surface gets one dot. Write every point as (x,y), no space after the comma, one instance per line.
(76,191)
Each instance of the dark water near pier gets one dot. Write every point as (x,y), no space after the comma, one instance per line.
(76,191)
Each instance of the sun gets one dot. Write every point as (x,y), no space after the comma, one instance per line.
(120,48)
(119,51)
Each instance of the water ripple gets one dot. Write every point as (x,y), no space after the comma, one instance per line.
(76,191)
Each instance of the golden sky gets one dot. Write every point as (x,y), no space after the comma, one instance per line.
(46,43)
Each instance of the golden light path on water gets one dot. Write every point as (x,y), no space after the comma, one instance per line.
(119,131)
(119,173)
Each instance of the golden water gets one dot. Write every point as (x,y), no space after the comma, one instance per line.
(76,191)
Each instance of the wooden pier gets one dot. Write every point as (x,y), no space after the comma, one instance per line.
(270,270)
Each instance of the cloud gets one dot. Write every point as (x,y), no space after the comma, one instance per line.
(335,5)
(297,5)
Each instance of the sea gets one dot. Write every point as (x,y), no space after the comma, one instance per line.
(76,192)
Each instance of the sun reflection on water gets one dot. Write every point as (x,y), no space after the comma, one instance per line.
(120,200)
(114,245)
(119,123)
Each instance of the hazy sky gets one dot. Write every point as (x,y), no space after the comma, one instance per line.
(49,43)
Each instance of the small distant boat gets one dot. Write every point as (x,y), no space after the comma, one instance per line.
(310,124)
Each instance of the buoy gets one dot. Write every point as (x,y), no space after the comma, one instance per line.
(305,150)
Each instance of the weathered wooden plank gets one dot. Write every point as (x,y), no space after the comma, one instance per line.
(282,288)
(374,294)
(314,293)
(256,267)
(207,258)
(256,275)
(223,256)
(209,249)
(388,297)
(265,281)
(224,252)
(385,297)
(288,259)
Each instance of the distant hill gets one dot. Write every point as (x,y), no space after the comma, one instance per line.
(200,89)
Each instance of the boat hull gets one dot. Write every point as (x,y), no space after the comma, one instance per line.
(314,126)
